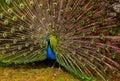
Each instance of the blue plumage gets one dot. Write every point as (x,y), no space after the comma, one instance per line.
(50,53)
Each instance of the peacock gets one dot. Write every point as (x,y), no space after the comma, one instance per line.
(78,34)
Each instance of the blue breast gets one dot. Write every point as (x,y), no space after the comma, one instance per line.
(50,53)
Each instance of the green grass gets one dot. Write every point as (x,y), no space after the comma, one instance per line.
(34,72)
(38,71)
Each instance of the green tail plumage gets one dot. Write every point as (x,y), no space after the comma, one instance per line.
(82,31)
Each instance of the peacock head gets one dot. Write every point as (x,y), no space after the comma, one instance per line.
(51,38)
(52,41)
(47,39)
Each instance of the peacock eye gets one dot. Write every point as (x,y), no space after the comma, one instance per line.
(63,21)
(12,30)
(86,51)
(21,28)
(100,21)
(57,26)
(23,37)
(32,37)
(74,31)
(64,1)
(23,17)
(49,25)
(113,56)
(14,52)
(48,11)
(40,6)
(82,35)
(14,18)
(4,35)
(7,46)
(6,22)
(54,4)
(101,36)
(82,23)
(3,52)
(110,30)
(15,41)
(1,15)
(92,29)
(32,27)
(8,1)
(21,6)
(10,10)
(44,20)
(90,14)
(92,41)
(19,47)
(73,20)
(69,9)
(34,18)
(79,9)
(95,4)
(98,49)
(53,18)
(61,12)
(31,4)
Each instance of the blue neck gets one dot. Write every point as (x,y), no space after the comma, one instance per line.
(50,53)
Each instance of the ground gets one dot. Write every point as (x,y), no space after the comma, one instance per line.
(38,71)
(34,72)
